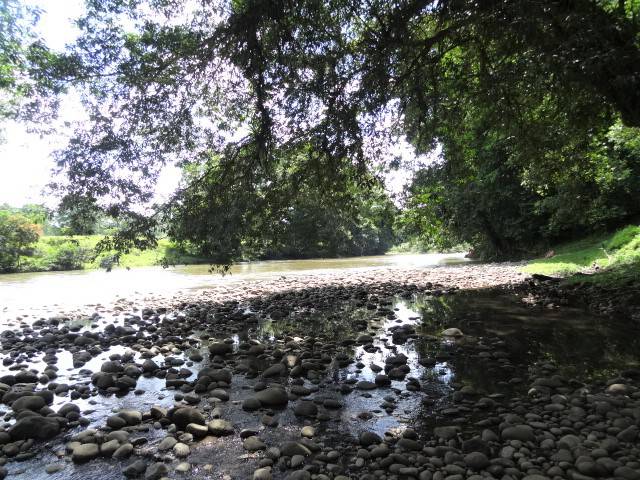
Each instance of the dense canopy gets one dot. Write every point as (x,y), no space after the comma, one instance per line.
(262,102)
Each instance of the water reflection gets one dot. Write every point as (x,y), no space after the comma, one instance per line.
(61,291)
(502,339)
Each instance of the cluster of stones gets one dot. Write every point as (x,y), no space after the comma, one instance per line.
(557,429)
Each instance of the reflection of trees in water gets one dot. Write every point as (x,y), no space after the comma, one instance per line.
(580,344)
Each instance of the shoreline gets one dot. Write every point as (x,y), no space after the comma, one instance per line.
(542,291)
(343,375)
(225,289)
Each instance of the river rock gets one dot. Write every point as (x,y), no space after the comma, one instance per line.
(186,415)
(219,394)
(446,432)
(197,430)
(305,408)
(308,431)
(123,451)
(365,385)
(476,461)
(253,444)
(149,366)
(276,370)
(262,474)
(107,449)
(250,404)
(220,348)
(132,417)
(135,469)
(156,471)
(290,449)
(181,450)
(524,433)
(272,397)
(299,475)
(31,402)
(116,422)
(452,332)
(35,426)
(369,438)
(85,452)
(167,443)
(219,427)
(629,434)
(215,374)
(54,468)
(627,473)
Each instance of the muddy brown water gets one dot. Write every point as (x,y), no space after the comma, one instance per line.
(584,347)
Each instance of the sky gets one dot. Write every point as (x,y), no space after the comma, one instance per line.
(25,158)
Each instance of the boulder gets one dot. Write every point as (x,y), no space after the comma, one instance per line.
(35,426)
(186,415)
(272,397)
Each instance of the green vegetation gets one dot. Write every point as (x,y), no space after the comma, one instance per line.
(284,117)
(17,238)
(79,252)
(534,105)
(314,226)
(609,259)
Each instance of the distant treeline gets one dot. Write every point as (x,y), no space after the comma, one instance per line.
(34,238)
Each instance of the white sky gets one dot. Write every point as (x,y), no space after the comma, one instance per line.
(25,161)
(25,158)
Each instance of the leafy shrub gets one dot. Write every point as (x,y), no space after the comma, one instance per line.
(70,258)
(60,253)
(109,261)
(17,236)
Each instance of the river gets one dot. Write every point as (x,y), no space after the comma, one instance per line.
(21,293)
(365,354)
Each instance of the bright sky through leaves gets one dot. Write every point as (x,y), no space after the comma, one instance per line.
(25,158)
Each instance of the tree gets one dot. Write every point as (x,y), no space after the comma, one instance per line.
(239,87)
(17,235)
(78,216)
(21,94)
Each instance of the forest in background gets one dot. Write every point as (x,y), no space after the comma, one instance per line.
(281,116)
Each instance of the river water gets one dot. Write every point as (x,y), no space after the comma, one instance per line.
(503,338)
(21,293)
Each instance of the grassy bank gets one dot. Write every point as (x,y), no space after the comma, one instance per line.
(53,253)
(608,260)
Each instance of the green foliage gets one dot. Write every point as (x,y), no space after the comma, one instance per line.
(624,238)
(616,256)
(496,197)
(59,253)
(313,228)
(17,237)
(20,96)
(78,217)
(37,214)
(54,253)
(295,217)
(261,98)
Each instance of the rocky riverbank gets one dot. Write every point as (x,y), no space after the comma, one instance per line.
(619,300)
(231,288)
(370,374)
